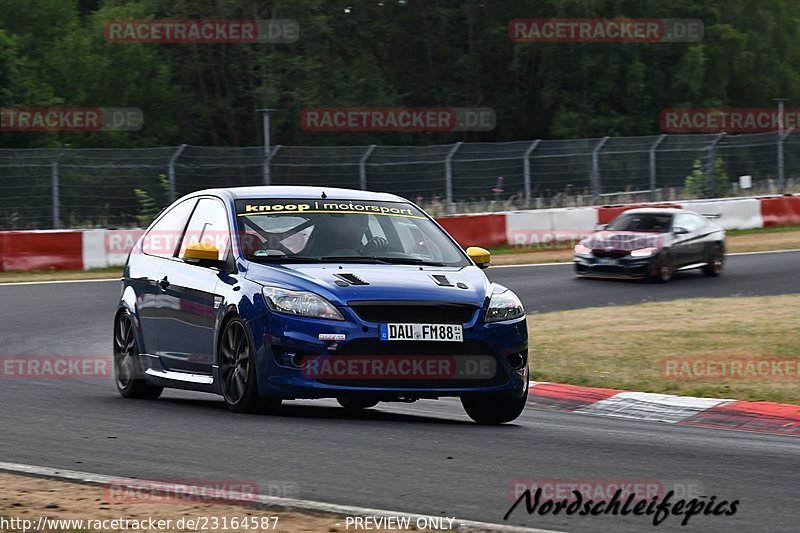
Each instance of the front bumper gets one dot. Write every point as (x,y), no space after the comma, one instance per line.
(623,267)
(277,336)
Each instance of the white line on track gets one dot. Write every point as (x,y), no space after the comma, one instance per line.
(495,266)
(266,501)
(58,281)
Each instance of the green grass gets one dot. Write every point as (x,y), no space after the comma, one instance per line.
(771,229)
(623,347)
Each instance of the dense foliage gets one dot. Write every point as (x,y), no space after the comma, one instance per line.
(379,53)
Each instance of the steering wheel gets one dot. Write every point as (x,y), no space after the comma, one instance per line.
(375,244)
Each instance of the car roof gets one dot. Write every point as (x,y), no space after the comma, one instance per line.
(655,211)
(299,192)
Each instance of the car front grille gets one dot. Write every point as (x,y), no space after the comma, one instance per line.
(609,269)
(414,312)
(611,254)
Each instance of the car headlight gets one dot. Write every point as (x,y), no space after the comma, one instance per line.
(301,303)
(504,306)
(643,252)
(580,249)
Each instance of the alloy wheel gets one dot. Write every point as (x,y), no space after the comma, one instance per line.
(234,362)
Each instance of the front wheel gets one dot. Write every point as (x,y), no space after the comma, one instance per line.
(492,409)
(237,372)
(716,261)
(127,367)
(664,268)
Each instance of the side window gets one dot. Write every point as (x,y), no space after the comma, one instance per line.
(162,239)
(209,224)
(690,222)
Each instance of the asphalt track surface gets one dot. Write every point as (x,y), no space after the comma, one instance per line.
(425,457)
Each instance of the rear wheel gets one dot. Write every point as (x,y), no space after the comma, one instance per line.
(493,409)
(716,262)
(127,367)
(356,404)
(237,372)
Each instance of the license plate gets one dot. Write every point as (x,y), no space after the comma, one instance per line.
(422,332)
(607,261)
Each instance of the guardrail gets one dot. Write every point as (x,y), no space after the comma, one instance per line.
(87,249)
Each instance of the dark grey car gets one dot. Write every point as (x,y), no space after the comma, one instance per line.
(652,243)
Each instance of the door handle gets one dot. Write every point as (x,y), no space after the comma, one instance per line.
(164,283)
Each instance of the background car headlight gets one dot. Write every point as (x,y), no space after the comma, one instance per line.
(580,249)
(643,252)
(504,306)
(301,303)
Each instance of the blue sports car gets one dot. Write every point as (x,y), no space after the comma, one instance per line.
(265,294)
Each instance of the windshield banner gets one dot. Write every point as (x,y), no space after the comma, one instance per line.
(274,207)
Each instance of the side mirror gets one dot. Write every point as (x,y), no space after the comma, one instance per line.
(680,231)
(203,254)
(480,256)
(600,227)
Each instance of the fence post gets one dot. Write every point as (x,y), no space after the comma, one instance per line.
(448,177)
(54,185)
(526,171)
(781,167)
(362,167)
(653,181)
(171,171)
(711,186)
(596,167)
(267,179)
(272,153)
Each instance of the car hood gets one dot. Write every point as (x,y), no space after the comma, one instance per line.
(619,241)
(383,282)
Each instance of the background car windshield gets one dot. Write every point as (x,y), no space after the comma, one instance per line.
(319,230)
(642,222)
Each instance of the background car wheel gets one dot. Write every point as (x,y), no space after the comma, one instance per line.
(237,372)
(356,404)
(127,367)
(492,409)
(716,262)
(665,268)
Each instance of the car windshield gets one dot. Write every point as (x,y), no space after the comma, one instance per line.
(642,222)
(320,230)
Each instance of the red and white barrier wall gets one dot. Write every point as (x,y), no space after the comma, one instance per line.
(86,249)
(543,226)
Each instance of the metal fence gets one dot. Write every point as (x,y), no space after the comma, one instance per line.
(63,187)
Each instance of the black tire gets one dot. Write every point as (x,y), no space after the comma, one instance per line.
(356,404)
(491,409)
(665,267)
(237,371)
(127,367)
(716,262)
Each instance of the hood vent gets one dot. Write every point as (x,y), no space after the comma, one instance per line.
(441,280)
(350,279)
